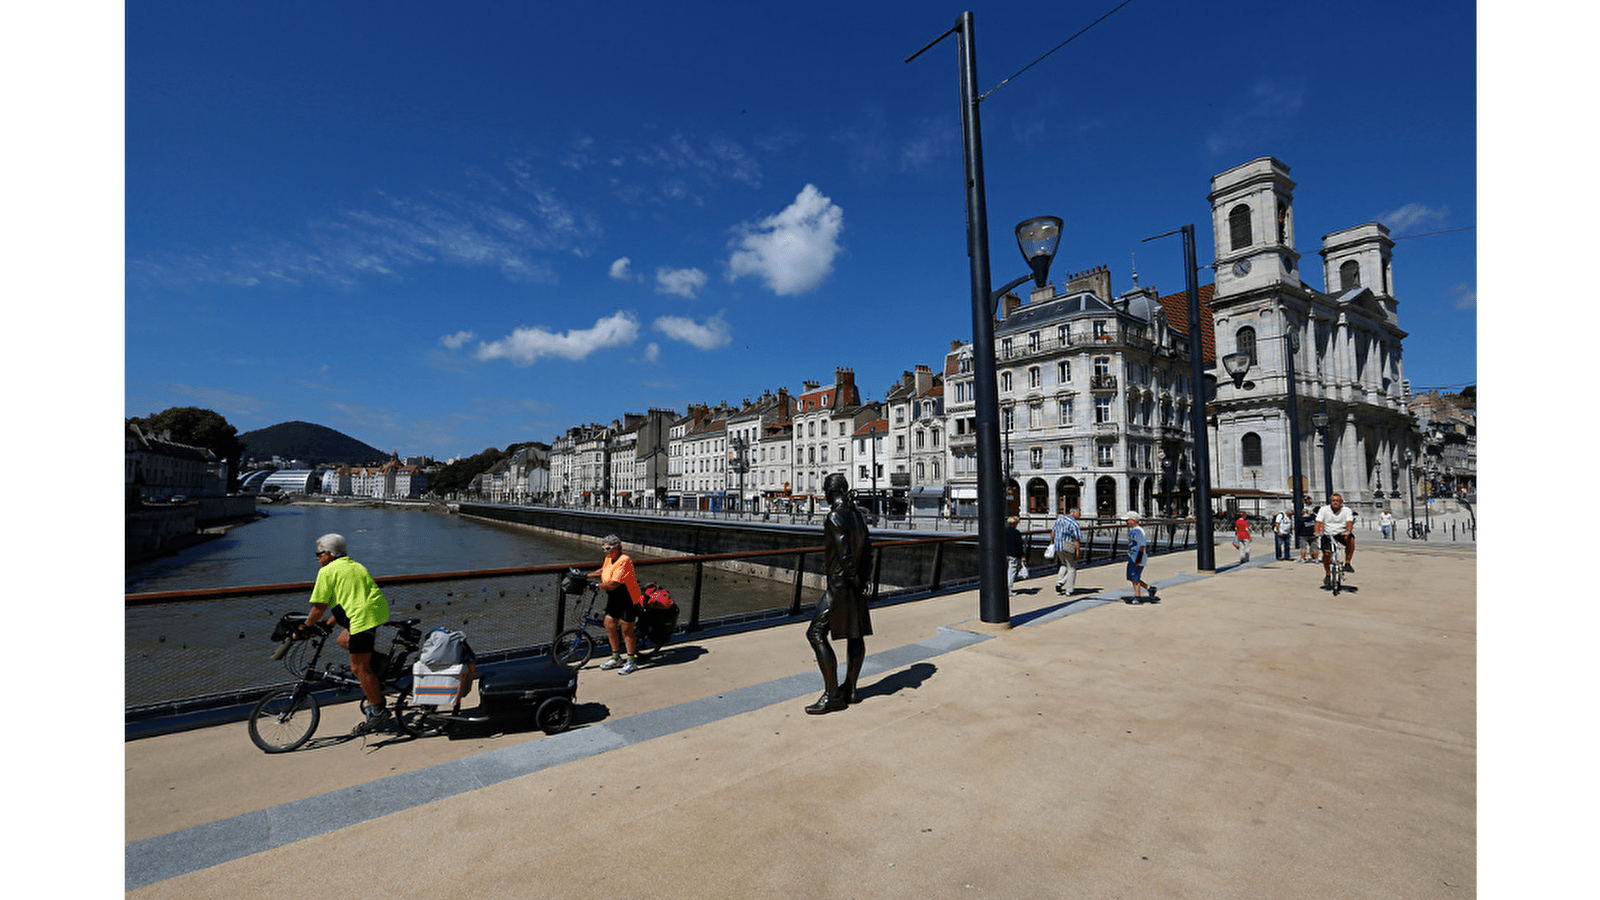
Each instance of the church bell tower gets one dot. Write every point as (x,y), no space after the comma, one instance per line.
(1252,223)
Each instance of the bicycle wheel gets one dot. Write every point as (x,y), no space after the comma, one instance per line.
(284,720)
(572,648)
(554,715)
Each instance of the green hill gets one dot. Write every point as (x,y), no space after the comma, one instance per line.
(314,444)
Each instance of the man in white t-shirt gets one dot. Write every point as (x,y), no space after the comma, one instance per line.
(1386,523)
(1336,523)
(1282,534)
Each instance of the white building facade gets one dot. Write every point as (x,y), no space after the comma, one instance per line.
(1347,364)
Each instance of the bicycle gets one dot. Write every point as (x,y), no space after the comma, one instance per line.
(285,718)
(575,646)
(1336,566)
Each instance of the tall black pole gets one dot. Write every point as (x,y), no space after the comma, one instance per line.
(994,599)
(1205,540)
(1291,344)
(1327,453)
(1411,492)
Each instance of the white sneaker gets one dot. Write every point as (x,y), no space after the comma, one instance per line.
(611,663)
(628,668)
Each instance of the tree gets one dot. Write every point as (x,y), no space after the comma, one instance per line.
(199,428)
(458,476)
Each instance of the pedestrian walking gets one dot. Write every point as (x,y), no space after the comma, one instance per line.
(1386,523)
(1016,566)
(1066,540)
(1137,547)
(1241,538)
(1282,531)
(1307,531)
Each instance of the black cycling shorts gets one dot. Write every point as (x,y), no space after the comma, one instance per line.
(365,642)
(620,605)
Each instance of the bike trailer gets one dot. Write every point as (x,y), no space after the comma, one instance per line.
(525,683)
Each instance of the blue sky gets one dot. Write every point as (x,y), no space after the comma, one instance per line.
(444,227)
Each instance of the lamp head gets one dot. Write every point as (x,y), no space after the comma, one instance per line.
(1038,239)
(1237,364)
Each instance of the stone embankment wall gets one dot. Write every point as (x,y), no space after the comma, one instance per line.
(153,531)
(673,536)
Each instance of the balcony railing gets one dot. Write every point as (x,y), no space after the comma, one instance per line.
(1105,382)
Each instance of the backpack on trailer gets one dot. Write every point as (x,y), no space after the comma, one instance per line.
(443,647)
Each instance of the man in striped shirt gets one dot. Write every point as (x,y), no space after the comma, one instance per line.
(1067,537)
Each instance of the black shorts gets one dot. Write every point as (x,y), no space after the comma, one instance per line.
(620,605)
(364,642)
(1348,540)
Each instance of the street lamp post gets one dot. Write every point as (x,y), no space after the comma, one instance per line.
(1292,344)
(1411,489)
(1038,239)
(872,437)
(1205,550)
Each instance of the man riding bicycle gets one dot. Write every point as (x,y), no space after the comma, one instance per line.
(348,588)
(1336,523)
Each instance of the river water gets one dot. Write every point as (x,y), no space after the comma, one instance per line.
(190,649)
(279,549)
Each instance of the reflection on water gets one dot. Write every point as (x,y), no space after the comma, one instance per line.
(279,549)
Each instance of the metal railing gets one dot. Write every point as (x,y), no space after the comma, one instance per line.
(188,651)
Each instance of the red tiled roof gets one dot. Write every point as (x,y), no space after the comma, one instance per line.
(1177,307)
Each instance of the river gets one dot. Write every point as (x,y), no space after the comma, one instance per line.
(279,548)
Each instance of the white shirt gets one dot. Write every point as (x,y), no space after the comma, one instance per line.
(1335,522)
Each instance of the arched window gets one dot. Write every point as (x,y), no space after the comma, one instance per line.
(1250,450)
(1244,341)
(1239,226)
(1349,275)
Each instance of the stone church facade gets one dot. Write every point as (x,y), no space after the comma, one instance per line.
(1346,343)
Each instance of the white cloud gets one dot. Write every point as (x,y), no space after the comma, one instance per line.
(454,341)
(652,352)
(622,270)
(1466,296)
(792,251)
(708,336)
(1410,216)
(525,346)
(685,283)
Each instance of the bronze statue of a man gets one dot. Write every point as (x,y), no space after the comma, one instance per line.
(843,608)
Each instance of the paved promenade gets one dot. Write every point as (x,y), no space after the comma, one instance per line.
(1249,736)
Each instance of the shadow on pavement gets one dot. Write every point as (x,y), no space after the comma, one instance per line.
(911,678)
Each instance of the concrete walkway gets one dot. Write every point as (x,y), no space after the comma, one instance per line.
(1251,735)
